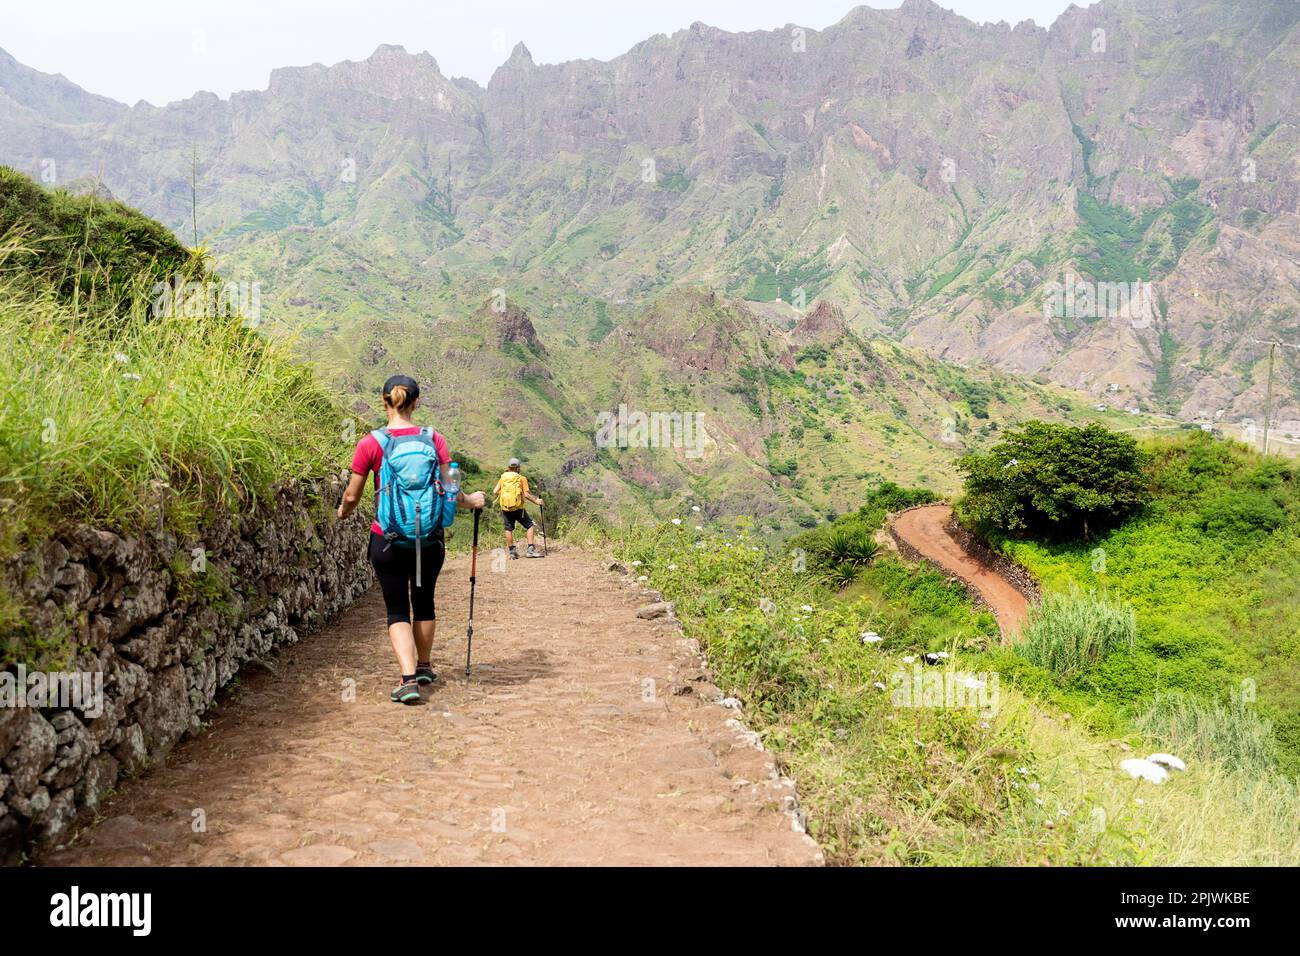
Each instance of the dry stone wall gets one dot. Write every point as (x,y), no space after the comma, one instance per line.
(149,629)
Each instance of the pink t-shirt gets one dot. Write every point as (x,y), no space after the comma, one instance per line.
(369,456)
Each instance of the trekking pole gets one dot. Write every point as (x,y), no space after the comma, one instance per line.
(542,518)
(473,567)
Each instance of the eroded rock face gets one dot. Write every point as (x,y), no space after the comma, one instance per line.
(159,626)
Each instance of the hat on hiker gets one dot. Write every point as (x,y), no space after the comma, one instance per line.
(406,382)
(514,463)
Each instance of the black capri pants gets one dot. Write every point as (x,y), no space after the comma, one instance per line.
(395,568)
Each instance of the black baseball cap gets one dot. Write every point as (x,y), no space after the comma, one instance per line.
(412,389)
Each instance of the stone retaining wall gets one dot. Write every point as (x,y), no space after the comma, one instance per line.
(1017,576)
(161,625)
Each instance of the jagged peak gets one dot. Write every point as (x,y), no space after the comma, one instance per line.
(510,323)
(520,55)
(824,322)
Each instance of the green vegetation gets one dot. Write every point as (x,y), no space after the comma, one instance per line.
(1054,479)
(89,253)
(112,412)
(1068,633)
(675,181)
(782,281)
(603,325)
(1210,568)
(886,774)
(1122,246)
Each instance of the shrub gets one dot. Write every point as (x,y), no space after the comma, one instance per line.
(1241,513)
(1068,633)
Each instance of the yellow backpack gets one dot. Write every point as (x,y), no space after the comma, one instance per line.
(512,491)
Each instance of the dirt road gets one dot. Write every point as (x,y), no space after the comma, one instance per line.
(582,737)
(925,529)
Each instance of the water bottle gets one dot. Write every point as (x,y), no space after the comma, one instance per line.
(453,480)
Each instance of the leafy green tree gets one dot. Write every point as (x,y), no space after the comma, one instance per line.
(1055,480)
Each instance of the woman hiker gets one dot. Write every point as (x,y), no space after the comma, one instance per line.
(407,574)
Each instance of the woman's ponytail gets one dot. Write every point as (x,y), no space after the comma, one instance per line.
(397,398)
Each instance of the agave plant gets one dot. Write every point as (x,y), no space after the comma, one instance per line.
(841,575)
(841,547)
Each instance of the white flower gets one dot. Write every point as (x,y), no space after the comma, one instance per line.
(672,567)
(642,578)
(699,527)
(122,357)
(636,564)
(880,686)
(806,607)
(1023,770)
(871,637)
(1144,770)
(909,659)
(695,508)
(1168,761)
(677,521)
(131,375)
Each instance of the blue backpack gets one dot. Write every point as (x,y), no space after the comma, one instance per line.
(413,505)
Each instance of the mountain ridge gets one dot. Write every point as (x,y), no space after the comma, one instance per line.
(928,175)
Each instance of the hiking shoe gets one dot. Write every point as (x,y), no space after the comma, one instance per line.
(405,693)
(514,553)
(532,551)
(424,674)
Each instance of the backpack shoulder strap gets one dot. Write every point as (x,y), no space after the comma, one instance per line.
(381,436)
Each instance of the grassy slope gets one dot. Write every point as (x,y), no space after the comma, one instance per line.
(101,398)
(1213,571)
(1024,782)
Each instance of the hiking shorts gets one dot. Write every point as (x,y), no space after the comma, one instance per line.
(395,568)
(520,515)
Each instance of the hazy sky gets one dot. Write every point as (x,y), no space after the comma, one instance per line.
(164,50)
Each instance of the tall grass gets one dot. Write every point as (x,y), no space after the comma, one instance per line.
(109,416)
(1069,632)
(1199,729)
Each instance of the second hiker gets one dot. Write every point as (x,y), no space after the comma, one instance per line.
(511,492)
